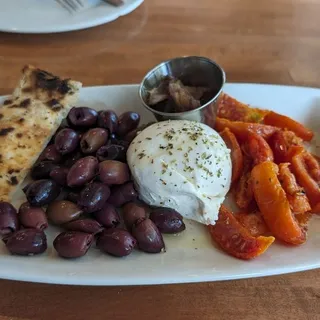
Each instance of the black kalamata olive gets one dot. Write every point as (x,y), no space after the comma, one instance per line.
(122,194)
(72,158)
(132,134)
(131,213)
(59,175)
(84,225)
(117,242)
(25,188)
(93,139)
(113,172)
(66,141)
(108,119)
(112,152)
(93,197)
(73,196)
(42,192)
(82,172)
(50,153)
(167,220)
(82,117)
(119,142)
(148,236)
(128,121)
(32,217)
(73,244)
(27,242)
(8,218)
(41,170)
(63,211)
(108,216)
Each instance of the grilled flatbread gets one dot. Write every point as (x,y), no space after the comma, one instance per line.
(28,120)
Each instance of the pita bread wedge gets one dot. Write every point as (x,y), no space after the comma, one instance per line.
(28,120)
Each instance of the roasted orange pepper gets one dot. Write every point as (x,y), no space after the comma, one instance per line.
(258,149)
(234,110)
(296,195)
(241,129)
(274,205)
(284,144)
(235,239)
(253,222)
(307,171)
(284,122)
(236,153)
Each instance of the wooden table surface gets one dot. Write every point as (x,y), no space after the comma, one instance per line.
(274,41)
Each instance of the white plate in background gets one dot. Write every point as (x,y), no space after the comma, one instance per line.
(47,16)
(190,256)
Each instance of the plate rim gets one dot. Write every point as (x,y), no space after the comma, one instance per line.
(156,279)
(85,24)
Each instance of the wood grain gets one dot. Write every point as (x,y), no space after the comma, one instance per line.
(275,41)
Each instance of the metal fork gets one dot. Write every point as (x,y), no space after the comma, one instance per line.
(71,5)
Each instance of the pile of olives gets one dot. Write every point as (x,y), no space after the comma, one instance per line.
(81,180)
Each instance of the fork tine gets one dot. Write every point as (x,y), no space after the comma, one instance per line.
(80,2)
(65,5)
(72,4)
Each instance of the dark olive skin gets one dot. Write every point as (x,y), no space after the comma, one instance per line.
(8,218)
(93,197)
(113,172)
(132,212)
(119,142)
(108,216)
(133,133)
(122,194)
(167,220)
(50,153)
(93,139)
(27,242)
(42,192)
(117,242)
(59,175)
(73,197)
(82,172)
(73,244)
(82,117)
(41,170)
(32,217)
(63,211)
(108,119)
(84,225)
(66,141)
(148,236)
(112,152)
(128,121)
(72,158)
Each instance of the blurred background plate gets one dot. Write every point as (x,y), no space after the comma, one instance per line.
(47,16)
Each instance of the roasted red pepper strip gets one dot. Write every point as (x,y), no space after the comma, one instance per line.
(307,171)
(253,222)
(241,129)
(258,149)
(283,143)
(236,153)
(274,205)
(234,110)
(284,122)
(296,196)
(235,239)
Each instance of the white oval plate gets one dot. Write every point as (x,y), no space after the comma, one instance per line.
(47,16)
(190,256)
